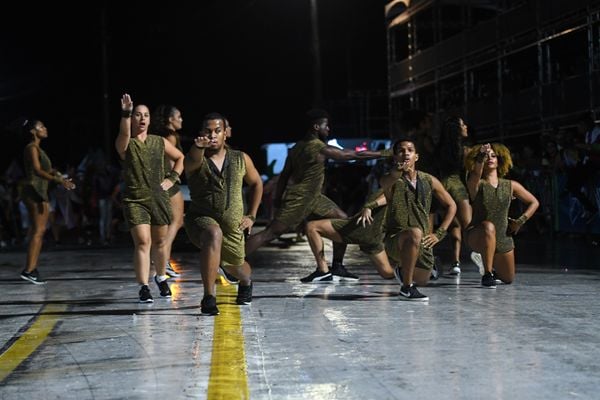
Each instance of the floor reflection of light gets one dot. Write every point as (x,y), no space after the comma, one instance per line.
(322,390)
(339,320)
(175,291)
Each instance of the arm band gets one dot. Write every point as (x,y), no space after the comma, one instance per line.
(251,217)
(522,219)
(173,176)
(126,113)
(371,205)
(440,233)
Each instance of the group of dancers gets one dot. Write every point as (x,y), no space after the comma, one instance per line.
(394,227)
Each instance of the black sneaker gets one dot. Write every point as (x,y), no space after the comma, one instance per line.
(412,293)
(317,276)
(488,281)
(145,296)
(340,273)
(163,286)
(171,272)
(244,296)
(33,277)
(228,277)
(496,279)
(208,306)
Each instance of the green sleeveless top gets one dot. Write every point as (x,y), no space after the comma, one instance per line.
(492,204)
(218,194)
(143,169)
(308,169)
(35,182)
(409,207)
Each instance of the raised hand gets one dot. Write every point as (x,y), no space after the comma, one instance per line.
(126,103)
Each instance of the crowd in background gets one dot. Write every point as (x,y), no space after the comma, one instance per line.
(561,168)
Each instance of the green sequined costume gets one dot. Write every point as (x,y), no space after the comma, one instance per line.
(455,187)
(36,188)
(369,238)
(217,199)
(303,197)
(492,204)
(145,202)
(409,208)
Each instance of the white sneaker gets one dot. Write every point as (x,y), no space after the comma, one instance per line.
(171,272)
(455,269)
(478,260)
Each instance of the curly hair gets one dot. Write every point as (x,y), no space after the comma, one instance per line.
(505,162)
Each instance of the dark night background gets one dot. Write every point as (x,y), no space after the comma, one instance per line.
(250,60)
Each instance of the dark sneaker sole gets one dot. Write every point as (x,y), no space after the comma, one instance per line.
(209,313)
(243,303)
(146,301)
(33,281)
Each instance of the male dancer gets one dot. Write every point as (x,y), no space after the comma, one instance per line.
(298,195)
(215,221)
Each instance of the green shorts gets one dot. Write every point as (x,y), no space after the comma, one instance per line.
(370,238)
(151,211)
(297,206)
(425,260)
(232,249)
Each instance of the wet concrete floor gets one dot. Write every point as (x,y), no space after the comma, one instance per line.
(84,335)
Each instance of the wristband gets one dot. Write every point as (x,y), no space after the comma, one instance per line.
(126,113)
(173,176)
(440,233)
(251,217)
(522,219)
(371,205)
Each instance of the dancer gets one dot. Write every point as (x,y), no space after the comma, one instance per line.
(215,221)
(166,122)
(451,152)
(298,195)
(38,173)
(490,231)
(367,233)
(146,205)
(408,194)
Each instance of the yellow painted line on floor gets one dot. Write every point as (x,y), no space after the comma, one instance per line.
(30,340)
(228,375)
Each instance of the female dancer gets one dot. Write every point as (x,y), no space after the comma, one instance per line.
(490,231)
(451,154)
(166,122)
(146,205)
(38,173)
